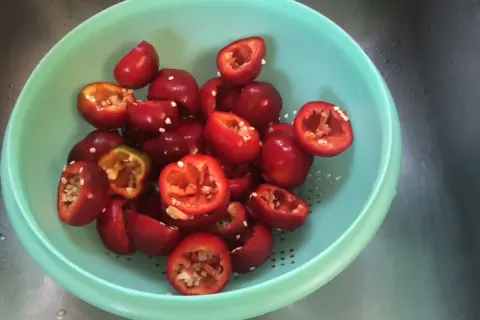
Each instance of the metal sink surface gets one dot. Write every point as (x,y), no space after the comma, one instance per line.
(423,262)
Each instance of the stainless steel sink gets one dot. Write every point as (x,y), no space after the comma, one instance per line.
(423,263)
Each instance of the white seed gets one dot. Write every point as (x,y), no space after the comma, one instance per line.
(161,130)
(343,115)
(82,182)
(254,194)
(103,210)
(218,73)
(72,162)
(322,141)
(64,168)
(180,164)
(81,169)
(241,124)
(170,78)
(162,223)
(64,180)
(176,213)
(92,150)
(252,268)
(124,90)
(173,104)
(214,93)
(90,196)
(264,61)
(168,121)
(336,108)
(245,223)
(236,249)
(251,128)
(260,143)
(237,237)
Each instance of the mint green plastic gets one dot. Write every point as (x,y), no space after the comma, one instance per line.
(309,58)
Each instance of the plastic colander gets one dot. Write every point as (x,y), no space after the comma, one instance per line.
(309,58)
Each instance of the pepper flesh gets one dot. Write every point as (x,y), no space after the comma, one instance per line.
(127,170)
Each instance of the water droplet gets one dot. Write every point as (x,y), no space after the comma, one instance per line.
(328,176)
(338,178)
(423,163)
(2,236)
(61,313)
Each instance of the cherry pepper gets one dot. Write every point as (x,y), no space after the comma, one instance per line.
(127,170)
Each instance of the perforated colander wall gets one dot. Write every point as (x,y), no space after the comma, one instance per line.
(323,180)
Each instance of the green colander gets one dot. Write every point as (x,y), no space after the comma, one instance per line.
(309,58)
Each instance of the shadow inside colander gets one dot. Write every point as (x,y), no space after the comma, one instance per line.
(144,273)
(78,130)
(149,273)
(326,178)
(204,66)
(275,76)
